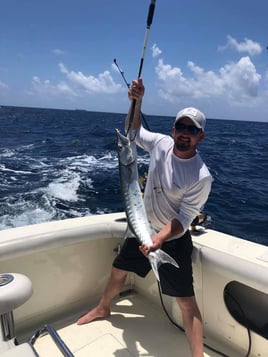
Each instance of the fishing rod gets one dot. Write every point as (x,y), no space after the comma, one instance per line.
(122,73)
(148,26)
(146,37)
(128,85)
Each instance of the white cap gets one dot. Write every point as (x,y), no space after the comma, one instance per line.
(195,115)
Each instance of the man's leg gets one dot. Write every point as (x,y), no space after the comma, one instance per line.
(115,284)
(192,322)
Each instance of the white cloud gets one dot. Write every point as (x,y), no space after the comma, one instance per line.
(241,79)
(103,83)
(248,46)
(47,88)
(57,52)
(76,84)
(233,85)
(237,82)
(155,51)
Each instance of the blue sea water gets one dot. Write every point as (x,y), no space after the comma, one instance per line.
(58,164)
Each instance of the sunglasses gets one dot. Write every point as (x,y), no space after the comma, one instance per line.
(191,129)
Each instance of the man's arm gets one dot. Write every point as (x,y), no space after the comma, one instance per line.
(171,229)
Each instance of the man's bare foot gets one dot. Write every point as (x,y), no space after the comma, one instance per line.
(92,315)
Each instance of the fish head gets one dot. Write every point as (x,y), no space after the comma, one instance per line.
(126,148)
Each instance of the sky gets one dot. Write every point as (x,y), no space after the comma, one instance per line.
(208,54)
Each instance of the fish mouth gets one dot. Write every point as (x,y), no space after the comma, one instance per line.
(122,139)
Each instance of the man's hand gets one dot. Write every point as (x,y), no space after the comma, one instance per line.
(156,244)
(136,90)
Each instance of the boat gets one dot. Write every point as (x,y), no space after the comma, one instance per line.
(52,273)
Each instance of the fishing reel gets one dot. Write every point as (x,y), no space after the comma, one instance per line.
(199,220)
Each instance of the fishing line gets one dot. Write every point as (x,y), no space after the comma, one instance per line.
(148,26)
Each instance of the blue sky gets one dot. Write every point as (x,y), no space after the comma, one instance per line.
(209,54)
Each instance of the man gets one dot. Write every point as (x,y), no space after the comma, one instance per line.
(177,186)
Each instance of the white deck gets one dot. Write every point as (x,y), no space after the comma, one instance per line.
(135,328)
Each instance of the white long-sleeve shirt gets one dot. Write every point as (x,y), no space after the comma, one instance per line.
(175,188)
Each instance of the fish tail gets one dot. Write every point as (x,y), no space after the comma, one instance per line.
(159,257)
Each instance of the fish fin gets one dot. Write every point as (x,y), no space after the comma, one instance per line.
(159,257)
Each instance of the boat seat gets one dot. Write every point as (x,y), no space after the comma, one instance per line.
(23,350)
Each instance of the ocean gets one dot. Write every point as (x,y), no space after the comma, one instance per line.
(59,164)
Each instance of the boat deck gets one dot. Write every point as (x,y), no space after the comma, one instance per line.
(135,328)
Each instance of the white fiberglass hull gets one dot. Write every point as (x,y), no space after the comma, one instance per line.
(68,263)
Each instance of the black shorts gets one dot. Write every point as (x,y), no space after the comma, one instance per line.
(174,282)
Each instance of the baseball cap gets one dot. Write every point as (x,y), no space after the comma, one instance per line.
(195,115)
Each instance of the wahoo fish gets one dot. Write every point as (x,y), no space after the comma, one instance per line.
(133,200)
